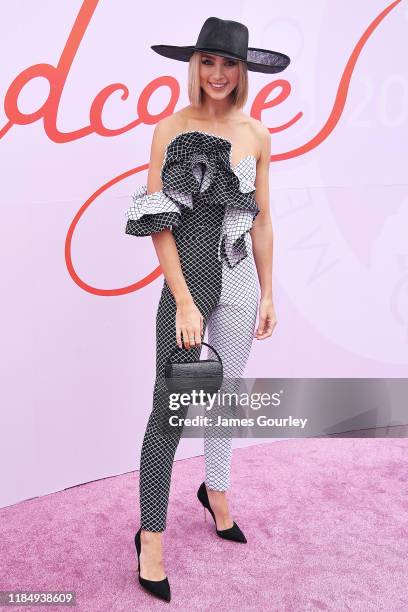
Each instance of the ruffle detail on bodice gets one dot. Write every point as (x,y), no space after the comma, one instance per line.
(198,163)
(151,213)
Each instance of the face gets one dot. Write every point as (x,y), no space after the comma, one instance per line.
(218,75)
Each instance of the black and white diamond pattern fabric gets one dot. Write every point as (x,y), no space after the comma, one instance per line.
(209,206)
(151,213)
(199,163)
(230,331)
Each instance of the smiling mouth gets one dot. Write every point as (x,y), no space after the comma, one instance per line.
(217,85)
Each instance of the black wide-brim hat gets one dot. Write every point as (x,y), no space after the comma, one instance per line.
(228,39)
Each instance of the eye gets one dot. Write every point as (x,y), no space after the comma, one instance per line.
(207,61)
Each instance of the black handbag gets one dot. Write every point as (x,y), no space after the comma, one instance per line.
(186,376)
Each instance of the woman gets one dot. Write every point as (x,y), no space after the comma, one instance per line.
(206,162)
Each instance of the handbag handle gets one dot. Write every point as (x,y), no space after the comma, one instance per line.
(178,348)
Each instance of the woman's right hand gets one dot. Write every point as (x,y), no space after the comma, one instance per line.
(189,324)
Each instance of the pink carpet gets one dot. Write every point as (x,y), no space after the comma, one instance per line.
(326,522)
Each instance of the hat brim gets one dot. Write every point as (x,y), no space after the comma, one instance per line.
(258,60)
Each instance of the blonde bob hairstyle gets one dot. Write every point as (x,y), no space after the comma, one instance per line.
(239,95)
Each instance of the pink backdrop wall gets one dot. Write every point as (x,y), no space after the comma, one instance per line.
(77,335)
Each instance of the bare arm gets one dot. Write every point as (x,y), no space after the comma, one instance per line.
(262,240)
(189,321)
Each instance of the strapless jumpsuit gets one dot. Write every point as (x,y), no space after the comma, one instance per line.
(209,206)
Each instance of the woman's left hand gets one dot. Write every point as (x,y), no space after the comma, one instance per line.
(267,319)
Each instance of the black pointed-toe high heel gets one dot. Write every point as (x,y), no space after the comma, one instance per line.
(159,588)
(234,533)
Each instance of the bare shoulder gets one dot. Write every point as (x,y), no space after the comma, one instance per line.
(166,129)
(261,132)
(260,135)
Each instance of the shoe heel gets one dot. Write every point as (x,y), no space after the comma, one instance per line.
(158,588)
(234,533)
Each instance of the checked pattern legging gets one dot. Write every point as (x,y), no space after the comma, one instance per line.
(228,300)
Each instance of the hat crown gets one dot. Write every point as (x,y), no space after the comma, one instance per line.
(224,35)
(228,39)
